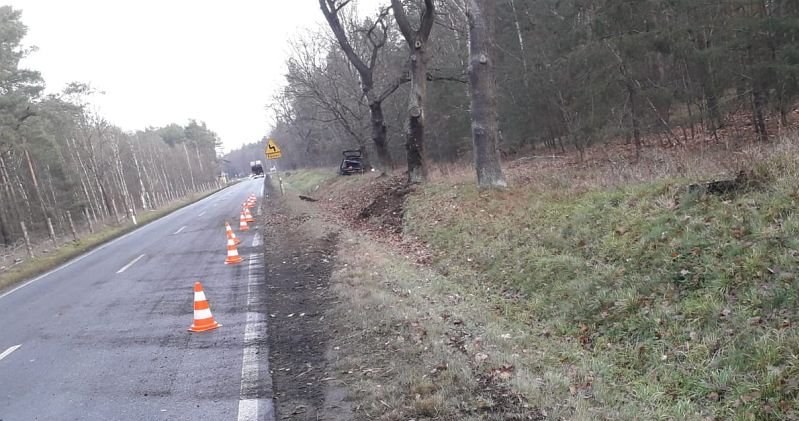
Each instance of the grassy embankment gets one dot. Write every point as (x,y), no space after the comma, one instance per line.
(307,181)
(65,252)
(665,304)
(637,301)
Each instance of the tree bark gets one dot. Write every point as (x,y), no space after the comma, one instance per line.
(143,195)
(482,81)
(759,112)
(188,164)
(36,187)
(379,136)
(27,239)
(72,227)
(417,45)
(523,53)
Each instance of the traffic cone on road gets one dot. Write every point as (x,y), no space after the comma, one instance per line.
(232,253)
(203,319)
(243,223)
(247,215)
(231,234)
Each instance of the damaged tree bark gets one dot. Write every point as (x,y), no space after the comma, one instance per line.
(482,81)
(417,45)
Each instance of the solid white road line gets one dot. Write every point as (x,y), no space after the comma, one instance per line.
(124,268)
(178,231)
(9,351)
(259,408)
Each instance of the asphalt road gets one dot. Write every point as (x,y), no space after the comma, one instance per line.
(105,336)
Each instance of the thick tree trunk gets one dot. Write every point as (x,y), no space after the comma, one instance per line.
(379,136)
(417,165)
(417,45)
(482,81)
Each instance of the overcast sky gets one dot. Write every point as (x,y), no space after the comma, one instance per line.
(164,61)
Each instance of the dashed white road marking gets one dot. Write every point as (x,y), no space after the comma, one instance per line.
(112,242)
(9,351)
(124,268)
(202,213)
(181,229)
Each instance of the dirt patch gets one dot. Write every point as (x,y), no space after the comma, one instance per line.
(387,209)
(378,203)
(298,268)
(375,207)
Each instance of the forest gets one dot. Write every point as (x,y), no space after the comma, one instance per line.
(415,85)
(66,170)
(568,75)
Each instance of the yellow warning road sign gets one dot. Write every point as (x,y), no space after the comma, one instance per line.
(272,151)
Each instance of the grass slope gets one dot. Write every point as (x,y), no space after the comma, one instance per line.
(642,300)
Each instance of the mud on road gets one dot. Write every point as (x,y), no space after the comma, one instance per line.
(298,268)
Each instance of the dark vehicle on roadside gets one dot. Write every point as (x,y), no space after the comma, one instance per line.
(352,163)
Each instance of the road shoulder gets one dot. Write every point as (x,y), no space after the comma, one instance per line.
(299,259)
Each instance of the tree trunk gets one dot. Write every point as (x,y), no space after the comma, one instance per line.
(482,81)
(5,234)
(523,54)
(417,167)
(27,239)
(634,119)
(379,136)
(759,113)
(188,164)
(417,45)
(36,187)
(142,190)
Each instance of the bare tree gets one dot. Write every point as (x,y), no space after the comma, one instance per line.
(376,35)
(482,80)
(417,45)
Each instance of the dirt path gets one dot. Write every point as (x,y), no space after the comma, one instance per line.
(298,268)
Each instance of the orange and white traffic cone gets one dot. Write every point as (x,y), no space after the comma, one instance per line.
(232,253)
(231,234)
(247,215)
(203,319)
(243,223)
